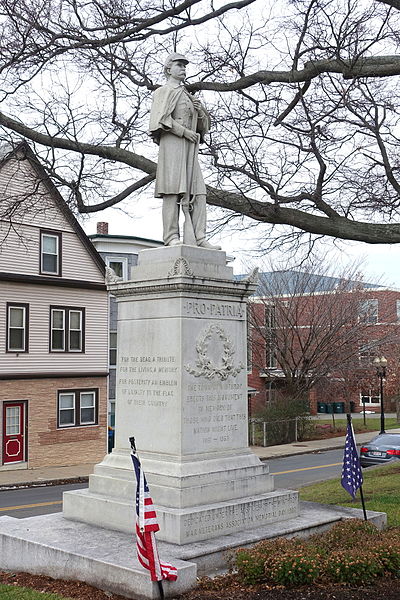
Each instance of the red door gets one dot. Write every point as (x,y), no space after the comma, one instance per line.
(13,432)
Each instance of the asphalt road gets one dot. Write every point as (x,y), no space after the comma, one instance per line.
(30,502)
(291,472)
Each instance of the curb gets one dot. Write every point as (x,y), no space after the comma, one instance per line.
(42,483)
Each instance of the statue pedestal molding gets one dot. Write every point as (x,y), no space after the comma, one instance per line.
(182,393)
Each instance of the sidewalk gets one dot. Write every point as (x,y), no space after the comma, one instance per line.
(80,473)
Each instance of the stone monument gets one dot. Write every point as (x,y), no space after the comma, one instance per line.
(182,393)
(181,366)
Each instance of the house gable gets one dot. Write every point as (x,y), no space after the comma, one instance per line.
(30,206)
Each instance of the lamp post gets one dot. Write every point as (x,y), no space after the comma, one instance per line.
(380,364)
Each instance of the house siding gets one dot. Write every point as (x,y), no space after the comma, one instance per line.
(39,359)
(29,203)
(20,254)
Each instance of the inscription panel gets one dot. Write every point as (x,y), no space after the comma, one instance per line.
(215,415)
(148,385)
(214,522)
(147,380)
(214,310)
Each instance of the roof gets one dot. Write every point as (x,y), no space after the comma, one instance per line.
(22,150)
(290,282)
(131,238)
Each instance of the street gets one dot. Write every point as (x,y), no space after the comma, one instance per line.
(292,472)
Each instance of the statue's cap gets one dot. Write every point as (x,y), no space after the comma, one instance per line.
(174,57)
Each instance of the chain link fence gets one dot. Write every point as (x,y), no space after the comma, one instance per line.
(271,433)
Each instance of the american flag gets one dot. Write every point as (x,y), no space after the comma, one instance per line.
(351,472)
(146,526)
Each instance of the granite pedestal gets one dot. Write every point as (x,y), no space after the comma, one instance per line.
(182,392)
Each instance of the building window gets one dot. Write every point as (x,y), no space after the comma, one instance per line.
(113,349)
(50,253)
(366,356)
(119,264)
(368,311)
(17,327)
(77,408)
(249,337)
(398,310)
(369,397)
(270,337)
(67,329)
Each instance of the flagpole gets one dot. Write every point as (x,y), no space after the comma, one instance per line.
(134,452)
(161,589)
(349,422)
(363,504)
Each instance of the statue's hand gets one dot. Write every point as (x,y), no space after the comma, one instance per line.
(197,104)
(190,135)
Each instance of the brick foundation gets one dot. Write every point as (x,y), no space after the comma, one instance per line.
(47,445)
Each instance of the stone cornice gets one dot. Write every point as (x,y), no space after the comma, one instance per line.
(182,285)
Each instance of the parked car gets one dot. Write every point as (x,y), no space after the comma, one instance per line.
(382,449)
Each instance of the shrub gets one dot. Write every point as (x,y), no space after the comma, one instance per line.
(388,552)
(296,568)
(250,566)
(250,562)
(353,566)
(347,534)
(352,552)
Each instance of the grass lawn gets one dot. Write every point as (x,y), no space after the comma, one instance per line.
(12,592)
(372,424)
(381,489)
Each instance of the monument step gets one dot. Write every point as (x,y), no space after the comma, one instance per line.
(184,525)
(51,545)
(178,493)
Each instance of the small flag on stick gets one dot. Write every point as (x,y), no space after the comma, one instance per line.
(146,527)
(352,477)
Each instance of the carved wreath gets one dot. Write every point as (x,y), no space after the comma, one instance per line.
(204,366)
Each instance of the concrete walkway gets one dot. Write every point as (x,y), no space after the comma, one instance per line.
(57,475)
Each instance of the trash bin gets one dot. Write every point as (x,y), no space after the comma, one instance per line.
(111,436)
(329,408)
(321,407)
(338,407)
(352,406)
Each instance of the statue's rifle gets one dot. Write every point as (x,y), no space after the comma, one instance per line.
(189,236)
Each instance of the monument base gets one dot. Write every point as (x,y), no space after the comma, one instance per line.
(196,499)
(51,545)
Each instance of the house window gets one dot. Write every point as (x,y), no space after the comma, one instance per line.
(66,409)
(113,349)
(17,327)
(50,253)
(119,264)
(77,408)
(67,329)
(368,311)
(369,397)
(398,310)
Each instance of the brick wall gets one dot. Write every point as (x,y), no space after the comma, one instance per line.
(47,445)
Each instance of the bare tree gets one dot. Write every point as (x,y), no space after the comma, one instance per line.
(318,326)
(303,94)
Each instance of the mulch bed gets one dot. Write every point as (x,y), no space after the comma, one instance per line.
(223,588)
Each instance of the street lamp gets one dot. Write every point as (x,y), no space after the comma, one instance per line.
(380,364)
